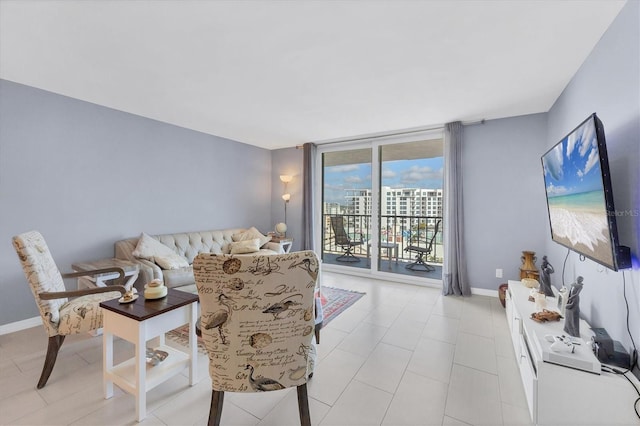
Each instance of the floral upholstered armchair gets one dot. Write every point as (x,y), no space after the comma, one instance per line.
(257,321)
(60,315)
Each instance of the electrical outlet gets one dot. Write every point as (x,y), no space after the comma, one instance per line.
(498,273)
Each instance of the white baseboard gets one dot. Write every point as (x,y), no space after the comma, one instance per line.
(484,292)
(20,325)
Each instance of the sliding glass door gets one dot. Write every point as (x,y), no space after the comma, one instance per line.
(346,207)
(410,213)
(382,204)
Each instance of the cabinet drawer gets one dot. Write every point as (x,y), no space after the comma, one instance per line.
(529,377)
(516,332)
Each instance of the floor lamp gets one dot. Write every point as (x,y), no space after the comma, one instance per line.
(281,228)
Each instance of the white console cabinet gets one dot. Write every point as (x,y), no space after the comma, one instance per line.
(557,394)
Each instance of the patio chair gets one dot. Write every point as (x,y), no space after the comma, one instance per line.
(421,252)
(60,315)
(257,317)
(344,240)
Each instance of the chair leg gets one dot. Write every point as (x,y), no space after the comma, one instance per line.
(303,405)
(319,317)
(50,360)
(198,329)
(348,256)
(215,412)
(420,265)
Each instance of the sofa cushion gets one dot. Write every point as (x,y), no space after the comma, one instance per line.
(245,246)
(178,277)
(250,234)
(151,249)
(190,244)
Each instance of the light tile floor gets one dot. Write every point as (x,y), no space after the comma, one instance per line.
(402,355)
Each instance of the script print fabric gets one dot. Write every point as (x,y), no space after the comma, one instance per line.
(59,316)
(83,314)
(257,318)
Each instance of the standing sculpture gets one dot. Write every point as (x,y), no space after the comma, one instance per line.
(545,277)
(572,312)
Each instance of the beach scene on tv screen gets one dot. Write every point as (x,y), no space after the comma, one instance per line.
(577,209)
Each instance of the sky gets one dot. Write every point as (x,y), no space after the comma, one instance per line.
(573,166)
(424,173)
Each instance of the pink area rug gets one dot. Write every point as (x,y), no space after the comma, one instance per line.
(335,301)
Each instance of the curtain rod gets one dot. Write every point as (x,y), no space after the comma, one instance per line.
(386,135)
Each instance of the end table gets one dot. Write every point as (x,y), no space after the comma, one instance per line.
(285,242)
(100,280)
(139,322)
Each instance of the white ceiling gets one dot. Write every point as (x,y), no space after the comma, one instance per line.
(279,73)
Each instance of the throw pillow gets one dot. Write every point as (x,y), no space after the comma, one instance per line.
(151,249)
(250,234)
(245,246)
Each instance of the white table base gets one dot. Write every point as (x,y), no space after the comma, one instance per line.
(135,376)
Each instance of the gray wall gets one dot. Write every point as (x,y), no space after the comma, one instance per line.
(608,83)
(86,175)
(504,205)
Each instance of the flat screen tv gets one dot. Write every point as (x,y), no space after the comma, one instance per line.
(579,196)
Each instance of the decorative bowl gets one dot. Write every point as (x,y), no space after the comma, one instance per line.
(155,290)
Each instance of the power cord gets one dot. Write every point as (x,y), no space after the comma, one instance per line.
(634,353)
(613,370)
(564,265)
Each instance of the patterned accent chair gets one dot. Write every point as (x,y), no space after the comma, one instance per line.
(257,319)
(60,315)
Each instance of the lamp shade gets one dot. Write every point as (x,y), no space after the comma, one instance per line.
(286,178)
(286,197)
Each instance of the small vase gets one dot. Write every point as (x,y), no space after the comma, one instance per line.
(528,268)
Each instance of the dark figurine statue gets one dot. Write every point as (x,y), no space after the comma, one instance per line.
(545,277)
(572,313)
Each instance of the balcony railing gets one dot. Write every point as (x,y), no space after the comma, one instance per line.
(402,230)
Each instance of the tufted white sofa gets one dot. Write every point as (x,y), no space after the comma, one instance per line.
(188,245)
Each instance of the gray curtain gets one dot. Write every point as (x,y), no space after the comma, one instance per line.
(454,273)
(308,172)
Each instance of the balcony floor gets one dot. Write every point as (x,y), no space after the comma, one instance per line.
(385,266)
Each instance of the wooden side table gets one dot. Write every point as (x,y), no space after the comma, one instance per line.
(131,271)
(139,322)
(285,242)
